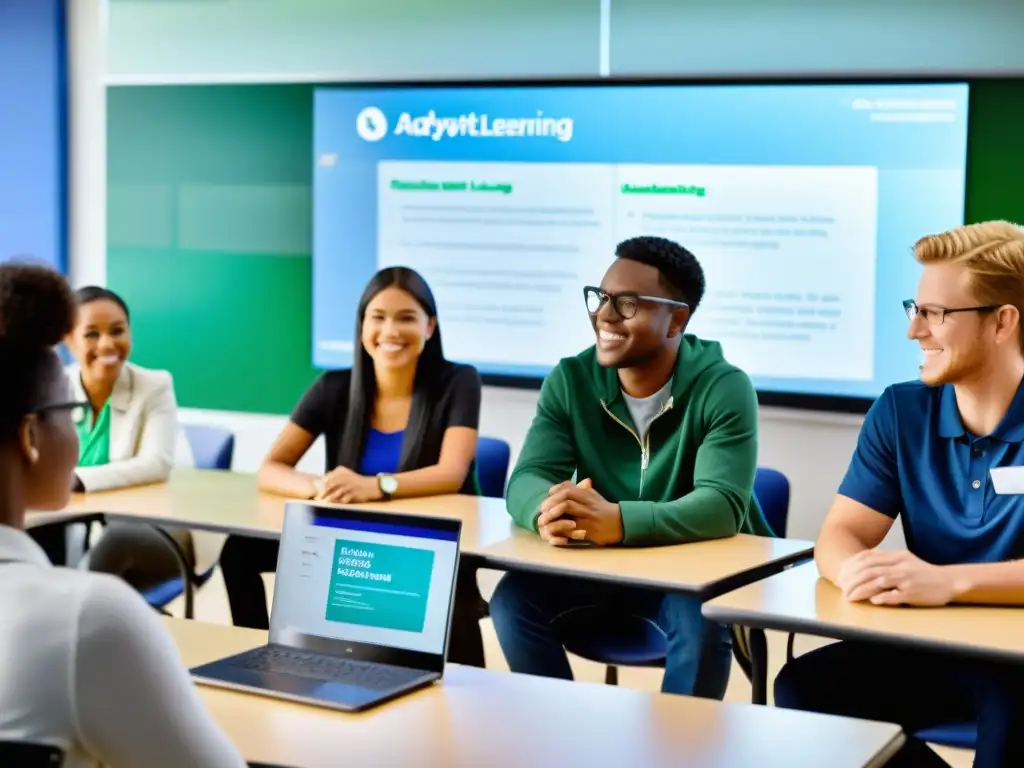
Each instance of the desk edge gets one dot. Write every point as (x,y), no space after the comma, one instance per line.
(740,579)
(816,628)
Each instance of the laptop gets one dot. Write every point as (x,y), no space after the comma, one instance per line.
(362,609)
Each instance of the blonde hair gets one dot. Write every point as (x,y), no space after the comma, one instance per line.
(993,254)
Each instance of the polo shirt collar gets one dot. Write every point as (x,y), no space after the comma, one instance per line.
(16,546)
(1009,430)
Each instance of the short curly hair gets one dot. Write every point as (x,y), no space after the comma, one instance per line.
(679,271)
(37,309)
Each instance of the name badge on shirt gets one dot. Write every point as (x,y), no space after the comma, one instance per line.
(1008,481)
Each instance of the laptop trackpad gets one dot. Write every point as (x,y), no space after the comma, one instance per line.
(348,696)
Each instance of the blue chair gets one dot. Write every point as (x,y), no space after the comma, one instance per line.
(212,448)
(635,641)
(960,735)
(771,488)
(492,459)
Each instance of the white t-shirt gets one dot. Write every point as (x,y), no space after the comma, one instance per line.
(87,666)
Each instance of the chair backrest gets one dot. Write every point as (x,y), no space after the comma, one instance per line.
(492,458)
(27,755)
(771,488)
(212,447)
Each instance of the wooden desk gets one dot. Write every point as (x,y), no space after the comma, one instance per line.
(707,568)
(229,502)
(475,718)
(798,600)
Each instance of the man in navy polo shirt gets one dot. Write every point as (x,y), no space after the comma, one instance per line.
(924,455)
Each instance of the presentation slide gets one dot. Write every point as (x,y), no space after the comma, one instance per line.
(369,582)
(801,202)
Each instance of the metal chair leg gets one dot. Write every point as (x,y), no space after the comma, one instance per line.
(187,578)
(759,666)
(789,647)
(611,675)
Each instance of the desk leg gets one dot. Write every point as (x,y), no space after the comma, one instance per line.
(466,645)
(758,666)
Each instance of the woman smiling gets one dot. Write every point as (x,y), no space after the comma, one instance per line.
(127,435)
(401,422)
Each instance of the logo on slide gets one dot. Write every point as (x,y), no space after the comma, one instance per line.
(371,125)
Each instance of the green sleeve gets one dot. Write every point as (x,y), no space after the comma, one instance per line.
(548,456)
(723,475)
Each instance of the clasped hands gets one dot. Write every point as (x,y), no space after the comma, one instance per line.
(343,486)
(576,512)
(895,577)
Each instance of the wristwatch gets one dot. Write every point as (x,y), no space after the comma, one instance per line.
(388,485)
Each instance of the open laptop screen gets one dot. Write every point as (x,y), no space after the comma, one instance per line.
(364,577)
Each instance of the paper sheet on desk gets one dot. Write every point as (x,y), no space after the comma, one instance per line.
(1008,480)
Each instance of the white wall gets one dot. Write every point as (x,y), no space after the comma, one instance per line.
(811,449)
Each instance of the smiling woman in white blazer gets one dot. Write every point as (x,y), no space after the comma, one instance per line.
(127,437)
(143,429)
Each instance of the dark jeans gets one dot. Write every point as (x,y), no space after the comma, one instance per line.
(914,689)
(243,561)
(526,609)
(140,555)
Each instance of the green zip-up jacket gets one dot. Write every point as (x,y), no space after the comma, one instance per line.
(691,479)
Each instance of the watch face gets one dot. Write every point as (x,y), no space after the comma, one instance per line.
(388,484)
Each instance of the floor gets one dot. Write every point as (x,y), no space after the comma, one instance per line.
(211,605)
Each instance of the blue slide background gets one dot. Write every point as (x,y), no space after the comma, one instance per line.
(33,131)
(749,124)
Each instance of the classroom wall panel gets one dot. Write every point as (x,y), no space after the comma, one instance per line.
(208,226)
(749,37)
(303,40)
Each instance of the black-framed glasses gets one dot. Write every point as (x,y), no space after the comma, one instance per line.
(935,315)
(626,303)
(77,410)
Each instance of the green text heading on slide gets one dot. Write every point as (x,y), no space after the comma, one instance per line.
(425,185)
(663,189)
(379,585)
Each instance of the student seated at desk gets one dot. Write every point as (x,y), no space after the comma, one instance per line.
(85,664)
(661,432)
(924,455)
(402,422)
(127,436)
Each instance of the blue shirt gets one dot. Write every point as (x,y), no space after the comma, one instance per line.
(915,459)
(381,454)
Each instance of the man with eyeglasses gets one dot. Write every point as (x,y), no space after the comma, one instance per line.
(660,432)
(924,454)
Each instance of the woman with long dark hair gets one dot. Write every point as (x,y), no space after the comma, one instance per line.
(401,422)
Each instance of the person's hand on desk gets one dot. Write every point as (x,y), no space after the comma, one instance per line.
(577,512)
(895,577)
(343,486)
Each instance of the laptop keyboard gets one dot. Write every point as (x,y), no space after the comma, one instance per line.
(289,661)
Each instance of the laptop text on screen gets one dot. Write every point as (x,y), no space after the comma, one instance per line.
(364,580)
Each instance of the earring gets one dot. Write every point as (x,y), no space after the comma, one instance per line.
(33,454)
